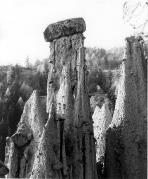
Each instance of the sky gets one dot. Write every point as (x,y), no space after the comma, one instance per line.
(22,23)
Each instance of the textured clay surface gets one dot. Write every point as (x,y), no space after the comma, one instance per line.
(24,143)
(64,28)
(126,137)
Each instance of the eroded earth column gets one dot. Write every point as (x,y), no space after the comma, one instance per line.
(73,149)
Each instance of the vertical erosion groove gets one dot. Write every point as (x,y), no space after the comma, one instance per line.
(126,136)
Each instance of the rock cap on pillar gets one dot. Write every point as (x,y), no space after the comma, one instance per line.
(64,28)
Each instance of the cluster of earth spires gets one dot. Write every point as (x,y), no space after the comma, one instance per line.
(58,138)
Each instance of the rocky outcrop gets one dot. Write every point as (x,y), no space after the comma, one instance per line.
(24,143)
(47,164)
(64,28)
(72,152)
(102,118)
(126,137)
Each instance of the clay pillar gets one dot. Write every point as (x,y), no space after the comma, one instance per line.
(126,136)
(67,85)
(24,143)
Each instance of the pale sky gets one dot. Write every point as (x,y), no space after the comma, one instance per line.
(22,23)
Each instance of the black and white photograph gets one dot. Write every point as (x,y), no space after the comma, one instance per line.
(73,89)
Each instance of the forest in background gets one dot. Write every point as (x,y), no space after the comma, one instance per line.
(17,82)
(100,64)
